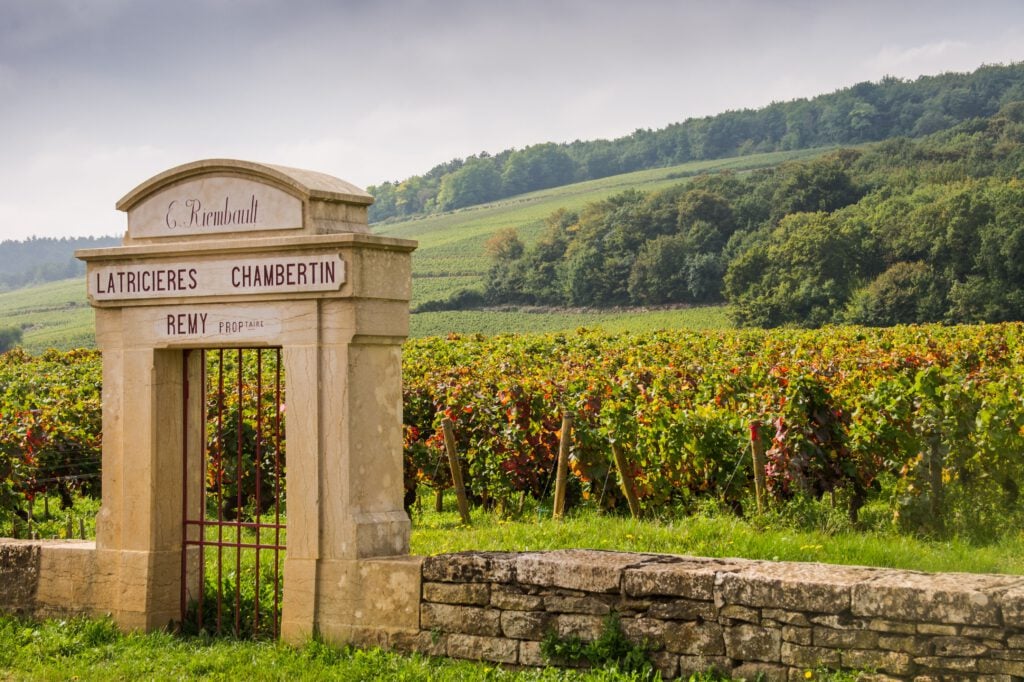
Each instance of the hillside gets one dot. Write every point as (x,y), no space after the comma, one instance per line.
(451,256)
(864,112)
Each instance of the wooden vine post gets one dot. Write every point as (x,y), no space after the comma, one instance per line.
(757,454)
(453,462)
(626,480)
(562,472)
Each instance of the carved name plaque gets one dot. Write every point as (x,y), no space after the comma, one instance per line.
(241,323)
(240,276)
(214,205)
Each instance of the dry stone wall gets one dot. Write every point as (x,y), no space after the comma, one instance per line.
(741,617)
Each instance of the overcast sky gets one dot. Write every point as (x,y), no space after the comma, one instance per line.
(96,96)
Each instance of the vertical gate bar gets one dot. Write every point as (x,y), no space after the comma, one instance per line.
(203,468)
(277,489)
(238,497)
(184,487)
(220,490)
(259,482)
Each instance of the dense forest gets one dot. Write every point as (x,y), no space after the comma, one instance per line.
(44,259)
(901,231)
(866,112)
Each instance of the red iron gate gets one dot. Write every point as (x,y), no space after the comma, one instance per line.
(233,535)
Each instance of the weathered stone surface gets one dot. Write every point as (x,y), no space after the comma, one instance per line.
(761,671)
(960,665)
(983,633)
(665,663)
(496,649)
(19,575)
(686,577)
(753,643)
(796,635)
(958,646)
(513,598)
(883,625)
(845,639)
(476,594)
(468,620)
(695,640)
(529,654)
(908,644)
(526,624)
(471,567)
(421,642)
(808,656)
(1002,667)
(683,609)
(1011,604)
(740,613)
(950,598)
(647,630)
(937,629)
(785,617)
(1015,641)
(815,588)
(576,569)
(587,628)
(583,604)
(840,621)
(688,665)
(885,661)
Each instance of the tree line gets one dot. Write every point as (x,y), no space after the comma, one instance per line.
(928,230)
(44,259)
(865,112)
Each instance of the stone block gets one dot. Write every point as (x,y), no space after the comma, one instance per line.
(1001,667)
(706,639)
(471,567)
(422,642)
(937,629)
(766,672)
(808,656)
(956,665)
(958,646)
(895,626)
(1015,642)
(576,569)
(886,661)
(686,577)
(785,617)
(753,643)
(845,639)
(908,644)
(690,665)
(739,613)
(667,664)
(587,628)
(529,654)
(683,609)
(526,624)
(796,635)
(513,598)
(572,604)
(473,594)
(476,648)
(641,629)
(948,598)
(469,620)
(815,588)
(1011,604)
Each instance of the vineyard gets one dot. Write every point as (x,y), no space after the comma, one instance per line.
(927,420)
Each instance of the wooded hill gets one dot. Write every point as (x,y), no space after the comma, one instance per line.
(44,259)
(865,112)
(902,231)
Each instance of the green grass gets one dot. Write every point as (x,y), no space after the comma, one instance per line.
(84,649)
(811,531)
